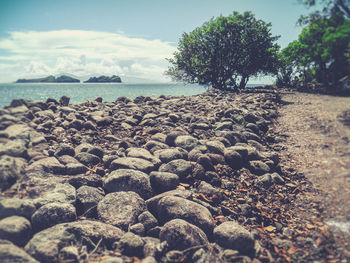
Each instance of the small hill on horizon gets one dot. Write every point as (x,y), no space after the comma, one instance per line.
(50,79)
(104,79)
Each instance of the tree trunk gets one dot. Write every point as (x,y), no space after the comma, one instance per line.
(243,82)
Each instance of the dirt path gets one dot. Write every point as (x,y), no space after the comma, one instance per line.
(315,141)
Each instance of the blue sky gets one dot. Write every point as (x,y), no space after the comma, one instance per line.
(124,37)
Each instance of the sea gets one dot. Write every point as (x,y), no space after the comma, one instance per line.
(82,92)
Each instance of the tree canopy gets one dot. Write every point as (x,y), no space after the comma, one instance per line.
(225,52)
(322,51)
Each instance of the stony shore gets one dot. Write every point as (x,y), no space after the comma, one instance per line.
(168,179)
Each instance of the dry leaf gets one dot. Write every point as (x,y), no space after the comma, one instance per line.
(270,228)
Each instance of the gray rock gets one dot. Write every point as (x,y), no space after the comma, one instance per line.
(163,181)
(70,254)
(10,170)
(153,146)
(258,167)
(45,245)
(46,165)
(64,149)
(16,229)
(148,220)
(16,207)
(16,148)
(10,253)
(87,200)
(76,124)
(172,207)
(76,168)
(137,229)
(265,180)
(233,236)
(131,245)
(277,179)
(242,150)
(208,189)
(143,154)
(152,203)
(52,214)
(233,159)
(167,155)
(132,163)
(128,180)
(64,193)
(180,167)
(87,159)
(186,142)
(215,147)
(121,209)
(64,100)
(181,235)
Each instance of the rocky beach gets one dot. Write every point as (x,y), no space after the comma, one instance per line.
(167,179)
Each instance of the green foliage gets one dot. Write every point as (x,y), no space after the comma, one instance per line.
(330,8)
(225,52)
(320,53)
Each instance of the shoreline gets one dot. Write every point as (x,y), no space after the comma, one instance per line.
(135,173)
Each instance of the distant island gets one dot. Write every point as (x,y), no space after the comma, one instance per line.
(50,79)
(104,79)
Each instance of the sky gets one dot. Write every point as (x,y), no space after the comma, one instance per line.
(123,37)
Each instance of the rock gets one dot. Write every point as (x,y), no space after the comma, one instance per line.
(163,181)
(45,245)
(16,229)
(121,209)
(88,159)
(143,154)
(171,207)
(131,245)
(181,235)
(147,220)
(64,149)
(208,189)
(233,159)
(180,167)
(152,203)
(10,253)
(258,167)
(243,151)
(16,207)
(173,256)
(132,163)
(76,168)
(201,126)
(153,146)
(89,125)
(10,170)
(265,180)
(52,214)
(76,124)
(186,142)
(87,200)
(16,148)
(137,229)
(46,165)
(167,155)
(233,236)
(128,180)
(64,100)
(170,138)
(205,161)
(215,147)
(77,181)
(277,179)
(64,193)
(69,254)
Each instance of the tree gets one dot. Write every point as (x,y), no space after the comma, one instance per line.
(225,52)
(320,53)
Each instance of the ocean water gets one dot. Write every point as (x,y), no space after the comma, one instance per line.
(81,92)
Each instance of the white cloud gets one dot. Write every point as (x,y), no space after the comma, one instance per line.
(82,53)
